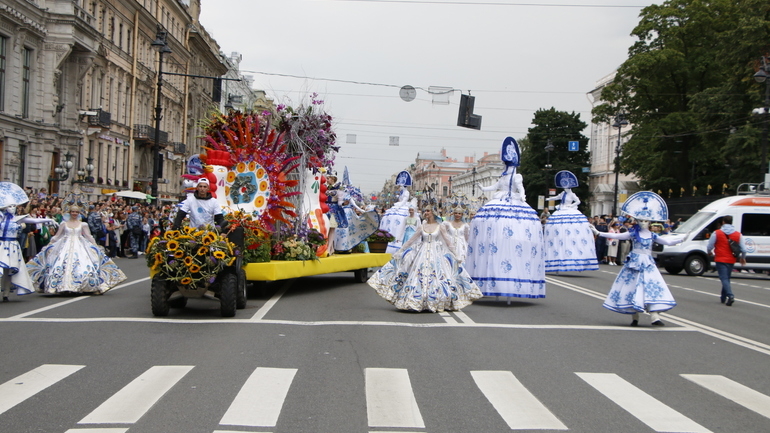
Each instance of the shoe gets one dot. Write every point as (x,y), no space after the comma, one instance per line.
(634,323)
(730,301)
(5,299)
(722,299)
(658,323)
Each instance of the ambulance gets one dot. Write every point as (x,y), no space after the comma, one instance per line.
(751,217)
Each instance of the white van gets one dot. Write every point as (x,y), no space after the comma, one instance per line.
(751,217)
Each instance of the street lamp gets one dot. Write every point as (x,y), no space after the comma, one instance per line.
(159,44)
(63,169)
(762,77)
(84,174)
(620,122)
(548,149)
(473,185)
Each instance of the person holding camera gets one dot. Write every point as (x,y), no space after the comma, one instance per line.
(726,246)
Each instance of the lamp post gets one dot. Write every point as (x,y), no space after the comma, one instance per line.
(620,122)
(84,174)
(63,169)
(160,44)
(548,149)
(762,77)
(473,185)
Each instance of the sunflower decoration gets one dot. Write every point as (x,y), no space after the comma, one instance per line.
(190,256)
(256,241)
(261,165)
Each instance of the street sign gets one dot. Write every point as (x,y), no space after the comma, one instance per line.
(573,146)
(586,169)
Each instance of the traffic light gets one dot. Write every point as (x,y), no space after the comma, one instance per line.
(466,118)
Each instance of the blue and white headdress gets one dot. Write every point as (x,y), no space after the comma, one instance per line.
(510,154)
(11,195)
(646,205)
(566,179)
(404,179)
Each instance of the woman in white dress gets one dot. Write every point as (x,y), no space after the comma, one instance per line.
(612,244)
(639,287)
(569,241)
(15,276)
(459,231)
(505,246)
(425,273)
(73,262)
(394,218)
(411,224)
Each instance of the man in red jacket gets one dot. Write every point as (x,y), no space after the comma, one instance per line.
(723,255)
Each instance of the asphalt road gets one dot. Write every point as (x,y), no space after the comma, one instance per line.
(324,354)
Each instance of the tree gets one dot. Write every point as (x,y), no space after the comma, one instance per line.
(560,128)
(685,87)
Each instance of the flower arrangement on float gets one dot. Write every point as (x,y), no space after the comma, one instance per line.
(190,256)
(381,236)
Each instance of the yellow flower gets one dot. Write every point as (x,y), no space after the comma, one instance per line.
(158,258)
(172,245)
(188,230)
(186,280)
(195,269)
(188,261)
(178,254)
(231,262)
(202,251)
(207,241)
(220,254)
(167,235)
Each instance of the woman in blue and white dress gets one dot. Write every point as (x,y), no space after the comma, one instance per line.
(505,246)
(425,273)
(360,225)
(411,224)
(73,263)
(394,219)
(639,287)
(569,240)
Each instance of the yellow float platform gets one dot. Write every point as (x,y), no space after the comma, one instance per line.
(283,270)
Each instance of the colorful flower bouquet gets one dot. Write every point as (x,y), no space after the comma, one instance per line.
(190,256)
(293,248)
(381,236)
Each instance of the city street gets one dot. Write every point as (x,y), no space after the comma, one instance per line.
(326,354)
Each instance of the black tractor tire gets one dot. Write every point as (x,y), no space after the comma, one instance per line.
(241,297)
(695,265)
(178,302)
(673,270)
(159,297)
(228,293)
(361,275)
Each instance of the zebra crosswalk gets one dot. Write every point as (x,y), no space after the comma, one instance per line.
(390,399)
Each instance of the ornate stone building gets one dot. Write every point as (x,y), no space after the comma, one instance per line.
(78,83)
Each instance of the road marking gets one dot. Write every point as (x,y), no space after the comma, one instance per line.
(262,311)
(30,383)
(98,430)
(743,395)
(135,399)
(643,406)
(463,317)
(260,400)
(447,317)
(520,409)
(390,401)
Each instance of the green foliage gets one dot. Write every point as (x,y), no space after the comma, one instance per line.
(687,90)
(560,127)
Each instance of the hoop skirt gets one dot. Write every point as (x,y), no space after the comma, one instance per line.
(425,276)
(357,229)
(12,262)
(505,250)
(72,264)
(639,286)
(394,221)
(569,243)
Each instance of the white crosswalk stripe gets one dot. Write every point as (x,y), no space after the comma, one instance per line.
(643,406)
(260,400)
(390,399)
(136,398)
(741,394)
(28,384)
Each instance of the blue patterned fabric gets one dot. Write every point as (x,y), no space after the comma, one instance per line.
(569,243)
(12,194)
(505,250)
(639,286)
(11,260)
(357,229)
(73,264)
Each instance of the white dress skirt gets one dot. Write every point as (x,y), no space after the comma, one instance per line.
(11,259)
(569,242)
(639,286)
(70,263)
(505,250)
(359,227)
(394,222)
(425,275)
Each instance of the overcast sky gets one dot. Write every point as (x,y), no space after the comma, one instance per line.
(515,57)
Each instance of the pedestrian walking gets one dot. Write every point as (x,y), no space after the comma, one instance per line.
(720,248)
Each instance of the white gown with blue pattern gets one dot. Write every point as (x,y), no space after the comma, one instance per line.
(11,260)
(394,221)
(569,241)
(359,227)
(505,247)
(426,275)
(639,286)
(70,263)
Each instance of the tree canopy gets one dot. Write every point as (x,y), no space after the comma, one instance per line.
(687,90)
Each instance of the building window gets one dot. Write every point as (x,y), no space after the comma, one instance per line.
(3,41)
(128,41)
(26,78)
(120,35)
(22,164)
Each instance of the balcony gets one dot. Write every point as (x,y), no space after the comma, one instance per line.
(178,148)
(146,133)
(102,118)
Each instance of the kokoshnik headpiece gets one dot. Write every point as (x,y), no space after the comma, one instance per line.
(566,179)
(645,205)
(404,179)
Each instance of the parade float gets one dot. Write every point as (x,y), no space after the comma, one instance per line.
(267,172)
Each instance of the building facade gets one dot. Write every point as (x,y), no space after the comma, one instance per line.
(78,91)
